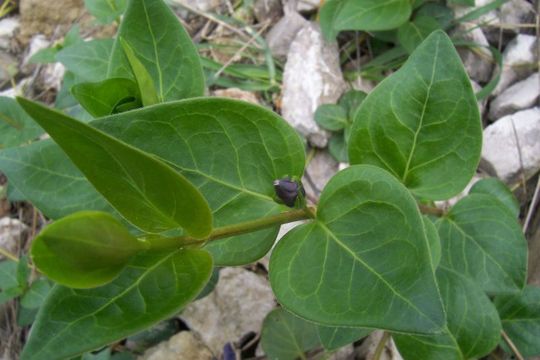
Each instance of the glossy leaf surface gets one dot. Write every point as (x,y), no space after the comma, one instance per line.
(45,175)
(347,267)
(473,328)
(147,89)
(84,250)
(163,47)
(103,98)
(87,60)
(146,191)
(520,316)
(422,123)
(412,33)
(231,150)
(331,117)
(332,338)
(153,287)
(482,240)
(498,189)
(287,337)
(367,15)
(16,127)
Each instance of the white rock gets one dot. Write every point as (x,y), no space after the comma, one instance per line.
(519,96)
(52,75)
(201,5)
(8,67)
(237,305)
(519,61)
(182,346)
(312,77)
(478,63)
(344,353)
(516,12)
(308,5)
(282,34)
(267,10)
(8,26)
(11,233)
(18,90)
(500,152)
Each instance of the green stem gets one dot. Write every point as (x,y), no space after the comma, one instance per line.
(380,346)
(232,230)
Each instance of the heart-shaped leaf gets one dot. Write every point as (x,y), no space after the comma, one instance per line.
(144,190)
(153,287)
(287,337)
(520,316)
(102,98)
(331,117)
(495,187)
(368,15)
(332,338)
(16,127)
(422,123)
(162,46)
(473,328)
(364,262)
(84,250)
(412,33)
(482,240)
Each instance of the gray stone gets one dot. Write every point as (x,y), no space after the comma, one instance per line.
(344,353)
(282,34)
(52,75)
(520,59)
(320,170)
(312,77)
(519,96)
(267,10)
(478,61)
(37,43)
(8,26)
(11,233)
(237,305)
(8,67)
(501,154)
(481,103)
(516,12)
(182,346)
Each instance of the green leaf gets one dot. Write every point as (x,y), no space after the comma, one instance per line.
(143,78)
(433,240)
(87,60)
(66,102)
(8,274)
(412,33)
(146,191)
(36,294)
(367,15)
(441,13)
(422,123)
(103,98)
(287,337)
(482,240)
(331,117)
(252,147)
(83,250)
(16,127)
(210,285)
(520,316)
(351,101)
(332,338)
(473,328)
(153,287)
(163,47)
(497,188)
(23,271)
(105,11)
(364,262)
(45,176)
(462,2)
(338,148)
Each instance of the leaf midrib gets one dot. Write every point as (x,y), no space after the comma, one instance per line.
(370,269)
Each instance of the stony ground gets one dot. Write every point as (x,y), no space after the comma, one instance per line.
(312,75)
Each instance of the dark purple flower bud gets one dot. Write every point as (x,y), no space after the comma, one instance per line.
(287,190)
(228,352)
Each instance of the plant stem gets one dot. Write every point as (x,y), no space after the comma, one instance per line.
(511,345)
(232,230)
(8,255)
(380,346)
(429,210)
